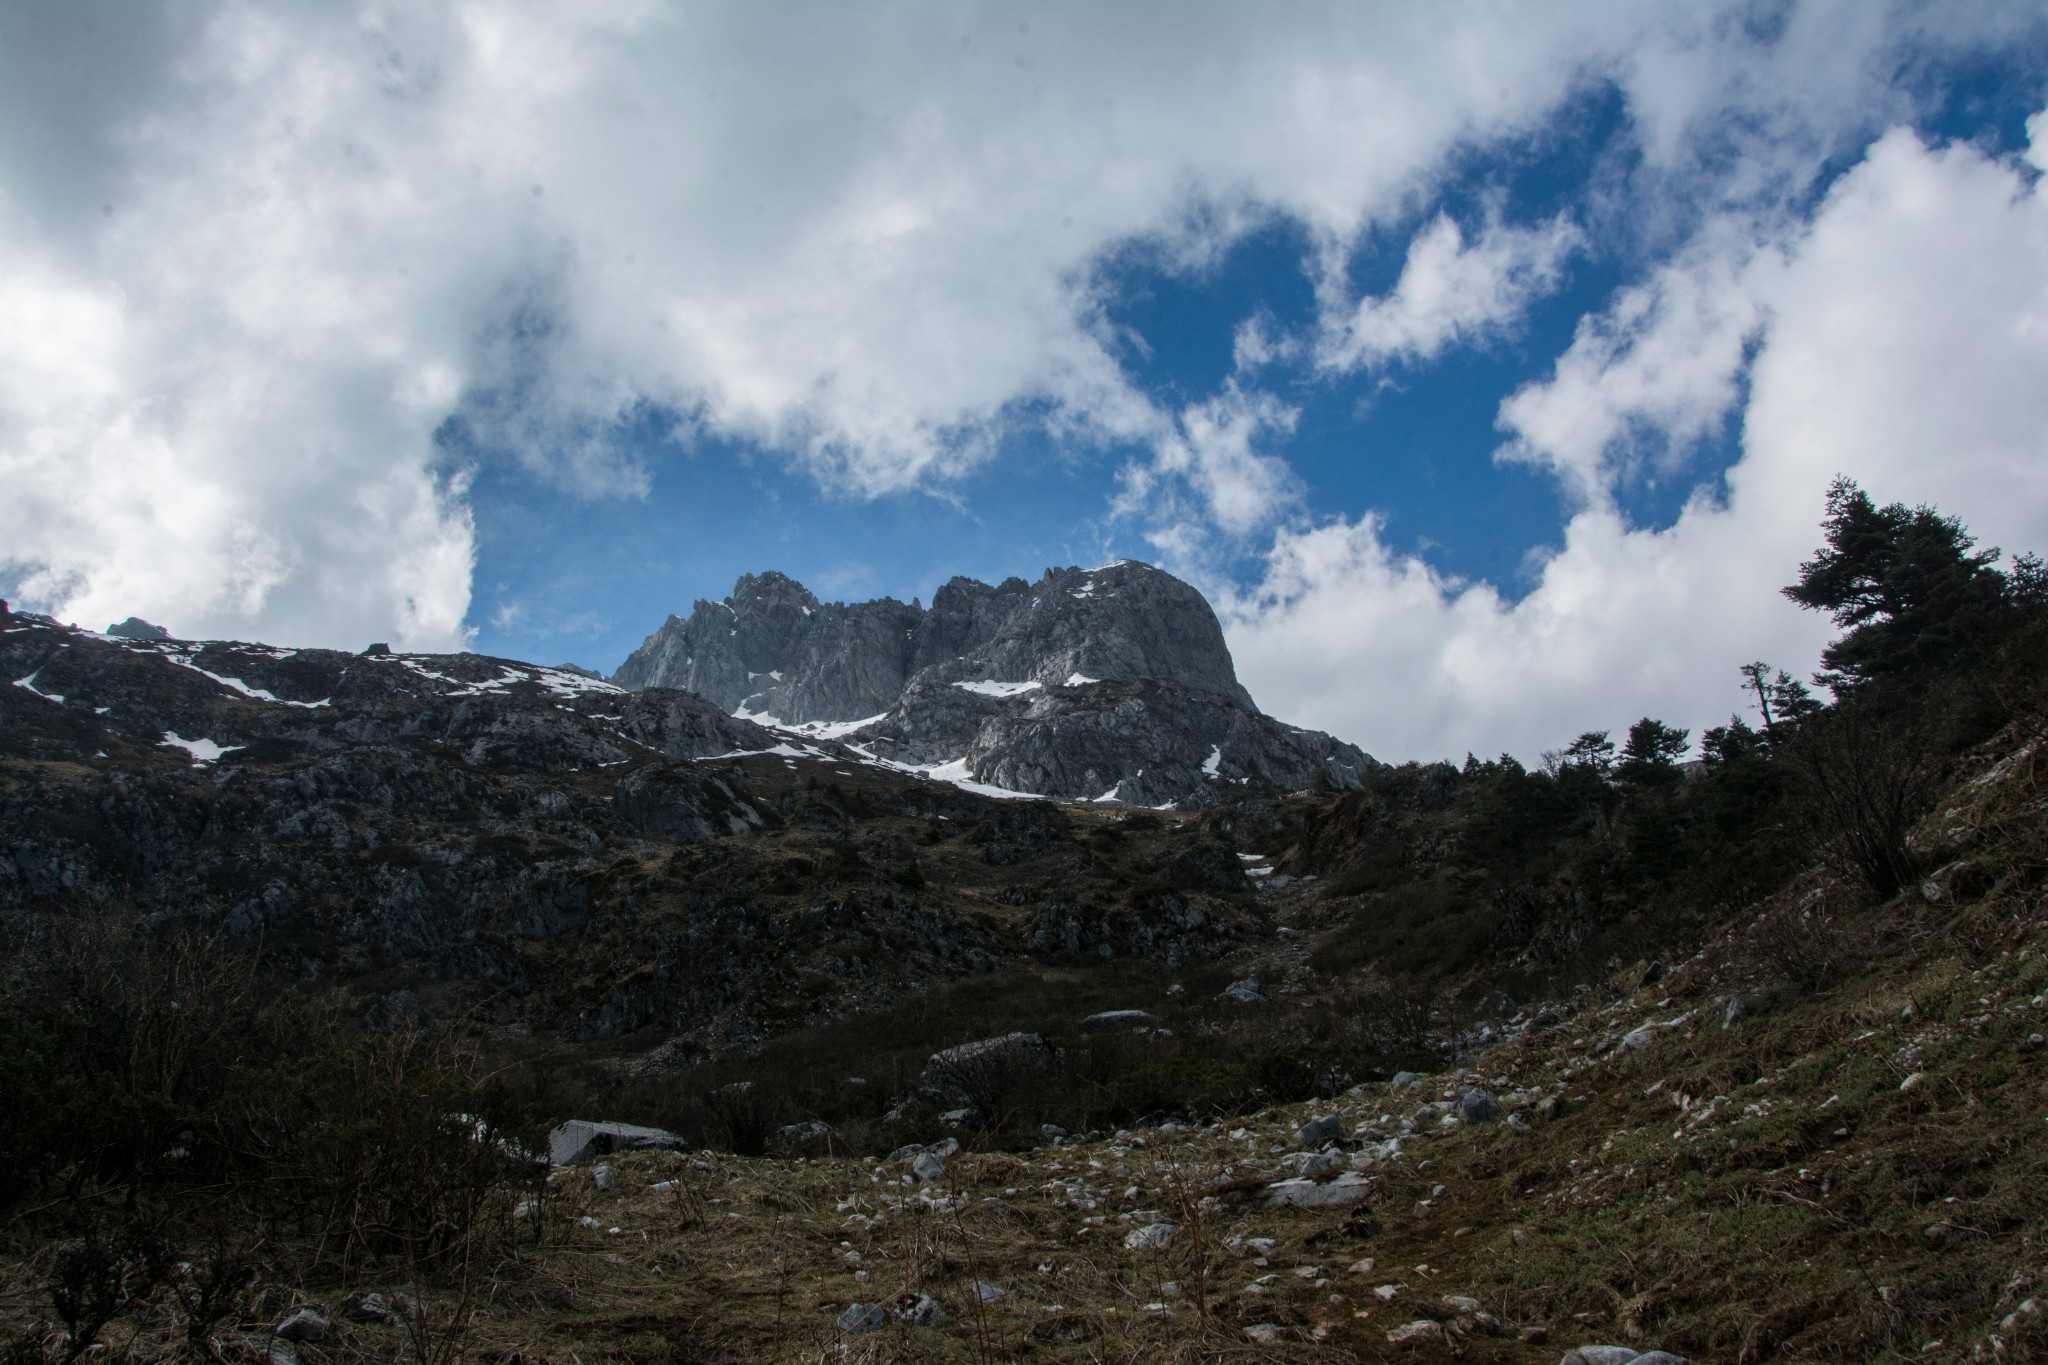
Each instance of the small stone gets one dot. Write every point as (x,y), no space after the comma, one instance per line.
(985,1292)
(1459,1303)
(1534,1335)
(1385,1293)
(1935,1233)
(1737,1011)
(1404,1079)
(928,1166)
(603,1176)
(920,1310)
(1519,1125)
(1659,1358)
(1931,891)
(1051,1131)
(861,1317)
(1421,1330)
(1263,1332)
(1637,1039)
(304,1325)
(1913,1082)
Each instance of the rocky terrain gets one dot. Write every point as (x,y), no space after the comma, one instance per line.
(1109,684)
(444,833)
(337,987)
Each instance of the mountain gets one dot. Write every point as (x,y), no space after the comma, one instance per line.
(1109,684)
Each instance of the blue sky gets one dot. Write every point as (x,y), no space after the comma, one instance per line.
(1485,367)
(1414,442)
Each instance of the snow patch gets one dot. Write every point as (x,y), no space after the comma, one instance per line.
(960,775)
(1080,680)
(826,729)
(30,683)
(781,750)
(202,750)
(990,688)
(566,684)
(237,685)
(1110,795)
(1213,764)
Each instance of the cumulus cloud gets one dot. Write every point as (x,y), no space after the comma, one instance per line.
(1450,291)
(292,242)
(1210,457)
(1903,341)
(1646,380)
(277,275)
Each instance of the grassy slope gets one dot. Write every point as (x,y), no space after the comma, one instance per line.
(1771,1190)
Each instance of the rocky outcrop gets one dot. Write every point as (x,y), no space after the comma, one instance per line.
(773,649)
(1110,684)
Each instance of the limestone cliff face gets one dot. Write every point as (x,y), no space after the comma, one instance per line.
(1089,683)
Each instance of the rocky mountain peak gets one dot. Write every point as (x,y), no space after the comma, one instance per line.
(1106,683)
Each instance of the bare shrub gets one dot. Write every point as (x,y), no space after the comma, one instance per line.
(1872,775)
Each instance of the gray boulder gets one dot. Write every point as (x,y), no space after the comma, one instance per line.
(1118,1021)
(860,1318)
(1316,1132)
(1476,1106)
(1151,1237)
(790,1136)
(581,1140)
(304,1326)
(1245,992)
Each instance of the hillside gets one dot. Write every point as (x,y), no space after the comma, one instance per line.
(1734,1056)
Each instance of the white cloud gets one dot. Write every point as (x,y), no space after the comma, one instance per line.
(1647,379)
(1210,454)
(1449,292)
(1906,345)
(270,250)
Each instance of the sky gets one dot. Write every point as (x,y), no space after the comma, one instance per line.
(1485,364)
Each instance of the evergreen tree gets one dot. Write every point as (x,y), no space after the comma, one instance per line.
(1905,585)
